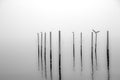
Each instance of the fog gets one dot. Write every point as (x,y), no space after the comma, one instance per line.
(21,20)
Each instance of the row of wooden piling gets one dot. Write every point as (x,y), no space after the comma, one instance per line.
(93,55)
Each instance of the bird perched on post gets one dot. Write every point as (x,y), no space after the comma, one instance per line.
(96,32)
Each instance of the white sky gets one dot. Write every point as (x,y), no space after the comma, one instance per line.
(35,14)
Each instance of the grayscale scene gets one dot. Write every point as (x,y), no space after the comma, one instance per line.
(59,39)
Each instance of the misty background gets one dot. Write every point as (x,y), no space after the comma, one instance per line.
(20,20)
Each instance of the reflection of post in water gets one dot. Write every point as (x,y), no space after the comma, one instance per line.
(51,55)
(45,55)
(81,51)
(41,53)
(92,74)
(38,52)
(96,32)
(59,55)
(73,51)
(108,59)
